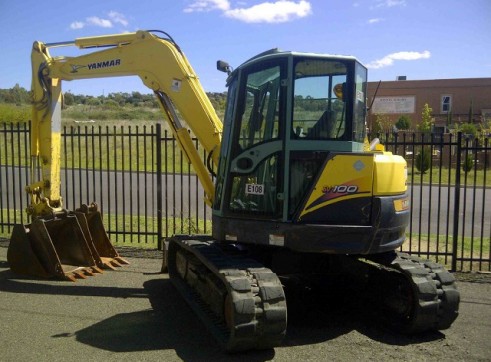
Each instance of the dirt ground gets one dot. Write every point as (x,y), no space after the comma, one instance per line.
(135,313)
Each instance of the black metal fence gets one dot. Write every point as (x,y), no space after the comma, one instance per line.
(144,186)
(146,189)
(449,186)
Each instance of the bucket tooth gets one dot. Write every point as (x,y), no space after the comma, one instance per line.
(97,270)
(106,262)
(79,274)
(115,263)
(70,277)
(89,272)
(122,260)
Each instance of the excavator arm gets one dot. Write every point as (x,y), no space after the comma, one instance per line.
(161,66)
(73,244)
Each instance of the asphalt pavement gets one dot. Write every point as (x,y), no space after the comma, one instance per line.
(134,313)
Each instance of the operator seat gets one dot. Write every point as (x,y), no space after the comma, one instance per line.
(324,127)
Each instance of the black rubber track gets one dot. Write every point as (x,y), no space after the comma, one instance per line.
(438,303)
(434,301)
(254,297)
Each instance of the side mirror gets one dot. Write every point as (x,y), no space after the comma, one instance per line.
(224,67)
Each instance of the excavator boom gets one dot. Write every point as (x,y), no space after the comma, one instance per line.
(162,67)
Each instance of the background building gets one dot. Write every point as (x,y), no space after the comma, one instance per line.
(452,101)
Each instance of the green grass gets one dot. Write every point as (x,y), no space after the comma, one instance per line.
(128,147)
(171,226)
(436,176)
(469,248)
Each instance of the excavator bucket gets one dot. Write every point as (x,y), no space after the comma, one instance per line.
(50,248)
(90,220)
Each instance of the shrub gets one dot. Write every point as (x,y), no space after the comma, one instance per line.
(404,122)
(14,113)
(468,163)
(423,160)
(469,129)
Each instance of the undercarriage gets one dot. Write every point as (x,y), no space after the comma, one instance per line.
(238,293)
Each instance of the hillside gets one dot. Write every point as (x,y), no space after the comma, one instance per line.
(135,106)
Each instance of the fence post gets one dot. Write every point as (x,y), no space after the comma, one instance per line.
(159,185)
(456,203)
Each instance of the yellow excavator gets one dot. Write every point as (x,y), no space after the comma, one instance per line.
(299,193)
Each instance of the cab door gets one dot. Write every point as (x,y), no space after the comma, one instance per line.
(255,185)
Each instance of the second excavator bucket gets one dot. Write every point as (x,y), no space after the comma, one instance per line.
(90,220)
(49,248)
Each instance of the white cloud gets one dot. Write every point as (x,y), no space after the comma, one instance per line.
(118,18)
(374,20)
(278,12)
(389,3)
(114,18)
(266,12)
(388,60)
(208,5)
(77,25)
(95,20)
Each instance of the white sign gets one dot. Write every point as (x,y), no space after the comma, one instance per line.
(254,189)
(278,240)
(390,105)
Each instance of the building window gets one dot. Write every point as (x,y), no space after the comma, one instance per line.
(446,103)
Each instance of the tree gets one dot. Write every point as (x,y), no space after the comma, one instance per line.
(404,122)
(93,102)
(68,99)
(468,163)
(426,119)
(468,129)
(110,104)
(423,160)
(16,95)
(381,124)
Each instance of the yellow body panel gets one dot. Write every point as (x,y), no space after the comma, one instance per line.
(348,177)
(390,175)
(344,177)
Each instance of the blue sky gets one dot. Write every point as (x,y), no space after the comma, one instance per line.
(421,39)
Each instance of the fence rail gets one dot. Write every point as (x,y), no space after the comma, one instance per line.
(146,190)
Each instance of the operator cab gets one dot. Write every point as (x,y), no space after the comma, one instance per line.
(281,107)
